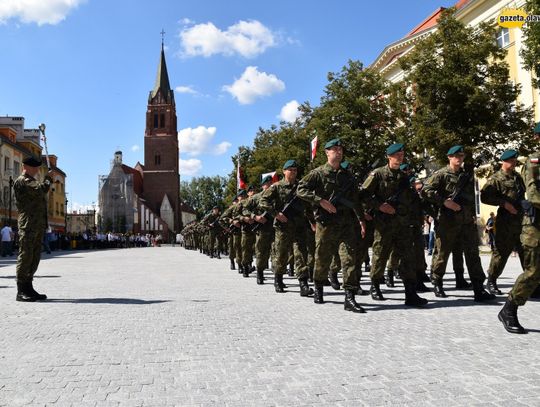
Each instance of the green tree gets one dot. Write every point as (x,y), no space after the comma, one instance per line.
(459,88)
(531,51)
(203,193)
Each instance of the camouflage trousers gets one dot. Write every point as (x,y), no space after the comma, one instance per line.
(507,239)
(29,254)
(391,236)
(248,242)
(453,230)
(310,242)
(287,236)
(263,246)
(527,281)
(331,238)
(237,248)
(230,243)
(361,248)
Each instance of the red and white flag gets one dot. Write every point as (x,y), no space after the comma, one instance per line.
(273,174)
(314,148)
(240,184)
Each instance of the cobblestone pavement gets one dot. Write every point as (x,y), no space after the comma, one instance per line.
(170,327)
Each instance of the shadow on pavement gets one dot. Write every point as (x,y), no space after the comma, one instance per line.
(129,301)
(13,277)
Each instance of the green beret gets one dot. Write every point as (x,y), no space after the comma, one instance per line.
(266,179)
(509,154)
(241,192)
(537,128)
(394,148)
(32,162)
(251,188)
(289,164)
(345,165)
(404,166)
(332,143)
(454,150)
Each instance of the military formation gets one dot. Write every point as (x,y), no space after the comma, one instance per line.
(324,223)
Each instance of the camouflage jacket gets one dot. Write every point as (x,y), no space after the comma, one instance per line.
(502,187)
(31,197)
(392,186)
(210,220)
(440,186)
(324,182)
(274,199)
(531,176)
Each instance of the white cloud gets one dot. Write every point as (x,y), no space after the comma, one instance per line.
(37,11)
(290,112)
(135,148)
(246,38)
(199,141)
(186,89)
(254,84)
(189,167)
(186,21)
(80,208)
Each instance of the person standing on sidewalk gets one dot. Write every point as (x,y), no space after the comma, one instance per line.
(7,240)
(505,189)
(529,280)
(31,196)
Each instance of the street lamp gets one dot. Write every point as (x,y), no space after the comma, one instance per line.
(10,199)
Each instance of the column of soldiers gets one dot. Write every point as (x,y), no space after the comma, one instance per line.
(328,220)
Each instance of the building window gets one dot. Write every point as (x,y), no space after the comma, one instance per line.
(155,121)
(6,195)
(16,168)
(6,164)
(503,37)
(57,211)
(162,120)
(157,159)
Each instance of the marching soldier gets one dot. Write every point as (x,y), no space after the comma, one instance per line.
(210,221)
(389,193)
(248,236)
(31,196)
(452,189)
(226,221)
(528,281)
(280,202)
(332,190)
(506,190)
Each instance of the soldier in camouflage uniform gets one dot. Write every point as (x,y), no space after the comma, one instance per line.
(506,190)
(290,227)
(457,221)
(322,186)
(248,236)
(528,281)
(31,197)
(211,221)
(390,195)
(265,231)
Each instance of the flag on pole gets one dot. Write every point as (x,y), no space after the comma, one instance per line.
(240,184)
(314,148)
(273,174)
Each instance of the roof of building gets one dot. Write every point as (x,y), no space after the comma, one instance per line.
(184,207)
(162,79)
(137,178)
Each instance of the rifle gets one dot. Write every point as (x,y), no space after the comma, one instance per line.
(337,199)
(393,200)
(292,208)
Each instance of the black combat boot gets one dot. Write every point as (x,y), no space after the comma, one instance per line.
(375,291)
(508,316)
(421,287)
(291,271)
(305,290)
(246,270)
(411,298)
(260,276)
(35,294)
(23,293)
(278,283)
(492,287)
(438,289)
(389,278)
(232,265)
(481,295)
(351,304)
(334,281)
(240,268)
(318,295)
(461,283)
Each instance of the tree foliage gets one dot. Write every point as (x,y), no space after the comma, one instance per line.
(459,87)
(203,193)
(531,51)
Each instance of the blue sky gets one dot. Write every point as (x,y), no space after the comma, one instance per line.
(85,67)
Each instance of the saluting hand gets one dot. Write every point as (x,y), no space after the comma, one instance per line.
(452,205)
(387,208)
(327,206)
(282,218)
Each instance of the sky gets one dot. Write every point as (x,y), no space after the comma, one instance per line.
(86,67)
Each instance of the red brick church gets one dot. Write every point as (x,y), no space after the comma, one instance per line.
(146,198)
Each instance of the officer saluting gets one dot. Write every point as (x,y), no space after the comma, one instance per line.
(31,196)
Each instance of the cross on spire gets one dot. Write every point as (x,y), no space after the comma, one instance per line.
(162,36)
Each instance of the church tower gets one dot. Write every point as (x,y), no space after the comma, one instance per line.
(161,178)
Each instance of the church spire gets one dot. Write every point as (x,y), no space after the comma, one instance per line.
(162,77)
